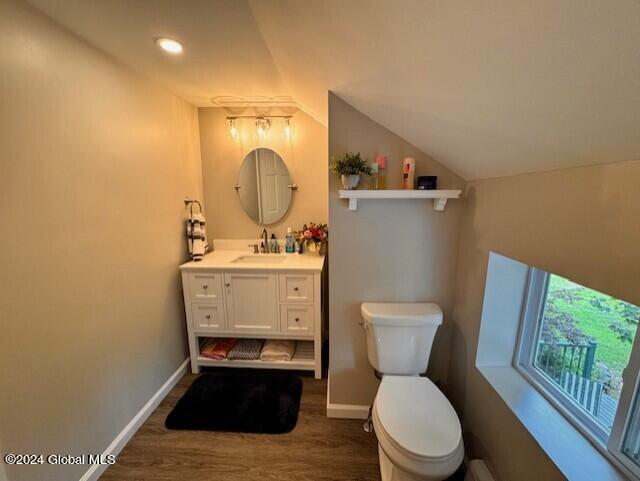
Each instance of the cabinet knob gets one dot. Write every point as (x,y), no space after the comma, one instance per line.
(205,286)
(297,319)
(208,316)
(296,289)
(227,284)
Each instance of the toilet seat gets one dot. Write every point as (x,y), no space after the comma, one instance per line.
(417,427)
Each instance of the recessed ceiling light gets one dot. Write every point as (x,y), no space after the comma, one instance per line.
(169,45)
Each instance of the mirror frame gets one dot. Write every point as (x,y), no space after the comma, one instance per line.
(291,186)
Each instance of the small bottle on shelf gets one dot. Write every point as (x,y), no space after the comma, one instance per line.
(373,179)
(381,162)
(408,173)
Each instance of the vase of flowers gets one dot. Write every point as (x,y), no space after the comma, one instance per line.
(313,237)
(350,168)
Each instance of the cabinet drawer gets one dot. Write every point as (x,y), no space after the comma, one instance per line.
(207,317)
(296,319)
(206,286)
(296,288)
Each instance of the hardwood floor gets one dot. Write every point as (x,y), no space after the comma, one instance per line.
(318,449)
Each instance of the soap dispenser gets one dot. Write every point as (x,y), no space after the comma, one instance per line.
(289,243)
(273,244)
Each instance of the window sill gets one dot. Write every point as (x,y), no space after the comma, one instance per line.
(569,450)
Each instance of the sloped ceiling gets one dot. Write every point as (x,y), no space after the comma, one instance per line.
(490,88)
(224,54)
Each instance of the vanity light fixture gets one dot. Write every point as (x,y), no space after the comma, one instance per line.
(262,127)
(169,45)
(287,130)
(233,129)
(263,124)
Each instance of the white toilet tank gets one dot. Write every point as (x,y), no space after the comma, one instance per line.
(400,335)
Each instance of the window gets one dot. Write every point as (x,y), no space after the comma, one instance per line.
(578,347)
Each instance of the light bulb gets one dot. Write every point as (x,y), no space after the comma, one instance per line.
(287,131)
(169,45)
(233,129)
(262,127)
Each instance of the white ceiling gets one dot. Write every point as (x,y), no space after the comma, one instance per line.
(488,88)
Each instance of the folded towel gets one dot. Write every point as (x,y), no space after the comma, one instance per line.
(278,350)
(246,349)
(217,348)
(197,236)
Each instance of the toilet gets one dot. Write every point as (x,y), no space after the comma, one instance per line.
(418,431)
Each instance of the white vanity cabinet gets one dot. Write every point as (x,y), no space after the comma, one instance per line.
(274,300)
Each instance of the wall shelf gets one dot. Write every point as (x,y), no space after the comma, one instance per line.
(439,197)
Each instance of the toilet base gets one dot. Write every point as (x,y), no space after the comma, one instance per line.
(391,472)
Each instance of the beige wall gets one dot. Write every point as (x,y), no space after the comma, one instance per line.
(306,159)
(399,250)
(581,223)
(94,164)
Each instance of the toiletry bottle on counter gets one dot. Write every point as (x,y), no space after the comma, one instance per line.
(381,162)
(289,243)
(273,244)
(408,173)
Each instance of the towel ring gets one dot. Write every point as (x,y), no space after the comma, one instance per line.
(190,203)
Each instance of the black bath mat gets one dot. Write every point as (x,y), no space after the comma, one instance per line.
(238,402)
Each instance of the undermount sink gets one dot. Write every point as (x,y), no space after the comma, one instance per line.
(260,259)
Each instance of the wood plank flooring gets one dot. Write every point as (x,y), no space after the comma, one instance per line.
(318,449)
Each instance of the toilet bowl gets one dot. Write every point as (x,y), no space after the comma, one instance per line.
(418,431)
(419,434)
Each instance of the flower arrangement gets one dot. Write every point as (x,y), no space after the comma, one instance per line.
(313,236)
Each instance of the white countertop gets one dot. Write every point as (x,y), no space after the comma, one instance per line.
(223,259)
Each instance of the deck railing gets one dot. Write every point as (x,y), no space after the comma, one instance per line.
(561,358)
(570,366)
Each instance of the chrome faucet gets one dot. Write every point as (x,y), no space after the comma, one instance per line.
(265,240)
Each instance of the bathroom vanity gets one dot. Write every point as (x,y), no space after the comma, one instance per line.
(234,293)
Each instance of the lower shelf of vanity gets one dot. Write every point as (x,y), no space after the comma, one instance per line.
(303,360)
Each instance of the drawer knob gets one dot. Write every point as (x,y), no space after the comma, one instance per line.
(296,289)
(297,319)
(205,286)
(208,316)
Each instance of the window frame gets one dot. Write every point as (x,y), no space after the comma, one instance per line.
(530,325)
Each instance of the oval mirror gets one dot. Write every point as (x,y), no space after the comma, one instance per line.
(264,186)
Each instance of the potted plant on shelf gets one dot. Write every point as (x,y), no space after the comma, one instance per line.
(350,168)
(313,237)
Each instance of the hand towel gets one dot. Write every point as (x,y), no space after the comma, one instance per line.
(217,348)
(278,350)
(246,350)
(197,236)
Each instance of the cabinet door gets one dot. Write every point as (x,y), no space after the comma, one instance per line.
(252,302)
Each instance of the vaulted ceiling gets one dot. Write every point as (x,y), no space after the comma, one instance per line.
(489,88)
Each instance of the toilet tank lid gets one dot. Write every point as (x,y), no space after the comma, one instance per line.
(402,313)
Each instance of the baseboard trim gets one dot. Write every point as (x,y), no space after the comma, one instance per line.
(121,440)
(344,411)
(347,411)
